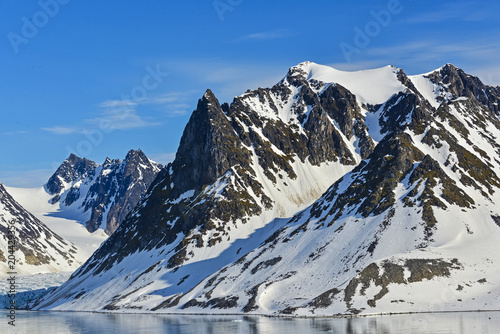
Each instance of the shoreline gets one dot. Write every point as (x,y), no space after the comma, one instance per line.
(335,316)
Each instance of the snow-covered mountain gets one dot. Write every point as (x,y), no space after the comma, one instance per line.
(100,196)
(331,192)
(35,247)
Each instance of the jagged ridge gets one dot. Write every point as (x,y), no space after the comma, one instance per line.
(425,177)
(105,193)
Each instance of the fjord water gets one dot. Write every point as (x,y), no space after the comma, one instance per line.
(79,323)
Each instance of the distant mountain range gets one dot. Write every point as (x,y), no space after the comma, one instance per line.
(329,193)
(102,194)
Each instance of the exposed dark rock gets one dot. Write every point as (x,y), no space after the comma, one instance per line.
(209,148)
(252,302)
(461,84)
(265,264)
(220,303)
(421,269)
(496,219)
(373,193)
(38,244)
(393,273)
(325,299)
(214,147)
(126,183)
(71,170)
(429,173)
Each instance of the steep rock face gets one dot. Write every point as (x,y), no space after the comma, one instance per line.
(455,81)
(414,173)
(105,194)
(35,247)
(118,188)
(208,148)
(71,170)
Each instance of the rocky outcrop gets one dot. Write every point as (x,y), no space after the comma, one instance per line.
(72,170)
(28,246)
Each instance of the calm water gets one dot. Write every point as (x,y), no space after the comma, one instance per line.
(67,323)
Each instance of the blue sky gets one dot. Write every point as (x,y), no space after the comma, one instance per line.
(98,78)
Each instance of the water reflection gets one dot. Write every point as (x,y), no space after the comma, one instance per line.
(79,323)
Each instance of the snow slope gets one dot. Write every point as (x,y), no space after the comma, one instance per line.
(373,86)
(37,201)
(35,248)
(408,222)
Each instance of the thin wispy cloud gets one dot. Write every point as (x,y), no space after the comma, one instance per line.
(429,50)
(465,12)
(166,98)
(172,104)
(263,36)
(180,109)
(117,104)
(120,117)
(123,114)
(62,130)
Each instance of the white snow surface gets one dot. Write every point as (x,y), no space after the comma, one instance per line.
(373,86)
(37,249)
(36,201)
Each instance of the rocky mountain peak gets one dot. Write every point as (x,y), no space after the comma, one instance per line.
(209,97)
(72,169)
(73,158)
(460,84)
(452,85)
(208,147)
(297,75)
(136,155)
